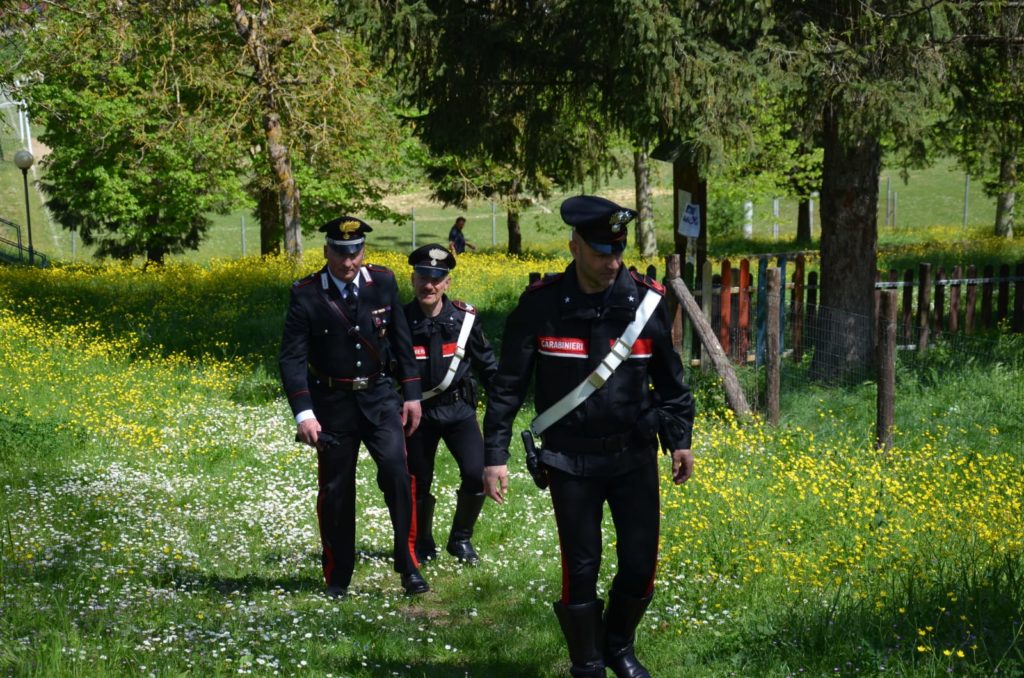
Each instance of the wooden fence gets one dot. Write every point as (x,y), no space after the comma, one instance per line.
(953,302)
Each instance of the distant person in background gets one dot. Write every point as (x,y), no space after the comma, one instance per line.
(456,240)
(448,343)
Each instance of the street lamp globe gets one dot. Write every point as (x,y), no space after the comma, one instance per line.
(23,159)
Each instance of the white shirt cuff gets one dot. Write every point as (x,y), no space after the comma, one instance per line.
(304,415)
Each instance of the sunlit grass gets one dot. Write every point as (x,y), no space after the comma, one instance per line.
(157,518)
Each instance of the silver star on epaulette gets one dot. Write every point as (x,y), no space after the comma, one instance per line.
(631,297)
(567,300)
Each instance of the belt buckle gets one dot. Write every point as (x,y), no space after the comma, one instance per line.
(360,383)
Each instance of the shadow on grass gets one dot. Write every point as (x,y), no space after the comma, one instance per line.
(970,624)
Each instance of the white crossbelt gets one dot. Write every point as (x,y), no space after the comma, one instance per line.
(460,353)
(620,350)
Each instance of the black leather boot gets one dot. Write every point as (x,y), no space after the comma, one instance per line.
(467,510)
(425,547)
(581,626)
(620,622)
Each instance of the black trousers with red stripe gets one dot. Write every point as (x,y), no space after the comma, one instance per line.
(464,441)
(336,498)
(579,507)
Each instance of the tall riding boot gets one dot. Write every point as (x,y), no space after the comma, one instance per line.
(467,510)
(620,622)
(581,626)
(426,549)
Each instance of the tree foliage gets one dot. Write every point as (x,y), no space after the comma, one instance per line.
(985,129)
(293,103)
(130,169)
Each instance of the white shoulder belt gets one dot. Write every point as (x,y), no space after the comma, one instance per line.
(460,353)
(620,350)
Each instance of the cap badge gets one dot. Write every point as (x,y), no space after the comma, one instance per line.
(619,218)
(349,229)
(437,254)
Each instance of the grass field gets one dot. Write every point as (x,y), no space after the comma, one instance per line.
(157,519)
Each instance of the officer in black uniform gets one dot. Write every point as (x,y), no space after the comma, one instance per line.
(438,326)
(345,344)
(604,448)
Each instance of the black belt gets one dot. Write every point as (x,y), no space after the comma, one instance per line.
(560,442)
(345,383)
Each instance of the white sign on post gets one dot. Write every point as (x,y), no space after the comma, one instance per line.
(689,215)
(689,221)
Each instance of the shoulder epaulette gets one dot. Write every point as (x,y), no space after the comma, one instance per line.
(463,306)
(302,282)
(379,269)
(544,282)
(648,282)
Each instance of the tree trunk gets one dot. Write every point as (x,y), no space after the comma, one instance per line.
(646,240)
(849,238)
(515,236)
(287,189)
(250,28)
(803,221)
(1007,194)
(268,210)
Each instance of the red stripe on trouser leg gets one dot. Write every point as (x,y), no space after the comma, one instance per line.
(328,554)
(412,526)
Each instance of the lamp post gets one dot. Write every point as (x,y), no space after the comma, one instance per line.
(23,159)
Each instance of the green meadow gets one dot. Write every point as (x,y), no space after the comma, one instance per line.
(157,518)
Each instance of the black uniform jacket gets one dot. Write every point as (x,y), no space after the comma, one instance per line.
(433,342)
(323,344)
(561,334)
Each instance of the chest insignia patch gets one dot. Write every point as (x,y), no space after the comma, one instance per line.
(563,347)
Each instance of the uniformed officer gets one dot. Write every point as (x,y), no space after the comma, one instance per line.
(601,412)
(448,340)
(345,344)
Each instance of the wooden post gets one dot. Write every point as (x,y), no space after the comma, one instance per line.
(924,302)
(1003,311)
(972,299)
(876,300)
(705,298)
(885,405)
(782,303)
(812,308)
(743,339)
(798,309)
(986,298)
(733,392)
(725,309)
(908,307)
(672,272)
(1018,299)
(772,358)
(939,307)
(954,300)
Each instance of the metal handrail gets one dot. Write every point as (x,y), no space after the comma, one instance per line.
(42,261)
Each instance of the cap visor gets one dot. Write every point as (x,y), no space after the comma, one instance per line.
(608,247)
(346,249)
(430,271)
